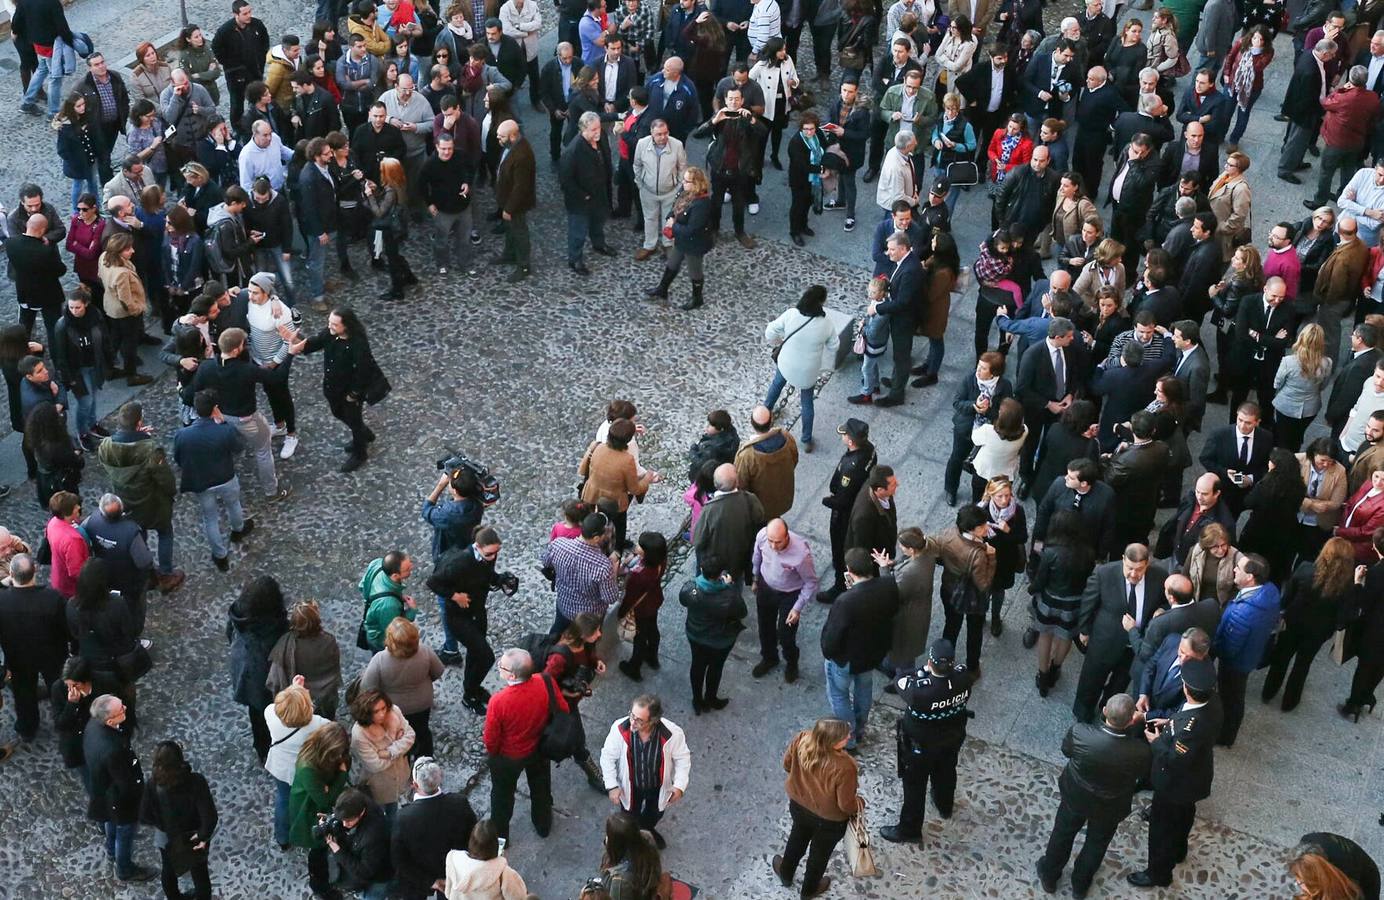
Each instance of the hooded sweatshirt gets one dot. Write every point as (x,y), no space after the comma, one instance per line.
(277,71)
(140,474)
(469,878)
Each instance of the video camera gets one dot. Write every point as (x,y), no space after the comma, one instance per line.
(488,485)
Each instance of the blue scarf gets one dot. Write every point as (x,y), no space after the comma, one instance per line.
(814,156)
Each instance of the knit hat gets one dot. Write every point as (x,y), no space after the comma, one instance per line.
(264,281)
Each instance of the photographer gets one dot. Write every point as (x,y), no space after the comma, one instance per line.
(357,834)
(462,579)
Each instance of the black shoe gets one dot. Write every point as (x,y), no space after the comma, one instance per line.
(778,870)
(1144,879)
(894,834)
(352,462)
(1291,179)
(697,706)
(477,705)
(1040,681)
(1048,882)
(653,664)
(809,232)
(238,536)
(1280,118)
(519,274)
(996,626)
(1315,151)
(605,251)
(138,873)
(798,240)
(630,671)
(890,400)
(221,562)
(152,342)
(790,673)
(1079,891)
(1312,204)
(450,657)
(717,702)
(774,161)
(763,667)
(924,381)
(870,175)
(950,497)
(1302,167)
(580,268)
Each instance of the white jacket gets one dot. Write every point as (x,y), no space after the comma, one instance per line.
(469,878)
(615,762)
(522,25)
(800,355)
(659,175)
(767,77)
(283,753)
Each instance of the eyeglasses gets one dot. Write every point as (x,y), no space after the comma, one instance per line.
(84,209)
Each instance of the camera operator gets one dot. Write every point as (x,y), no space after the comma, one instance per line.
(462,579)
(453,519)
(357,834)
(434,824)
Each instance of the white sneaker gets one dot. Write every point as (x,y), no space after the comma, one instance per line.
(442,270)
(754,209)
(290,445)
(146,643)
(725,198)
(278,431)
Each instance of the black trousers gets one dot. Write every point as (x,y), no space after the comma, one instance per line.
(259,732)
(504,779)
(1288,431)
(705,671)
(840,522)
(985,320)
(1069,822)
(1259,379)
(1296,645)
(902,346)
(1368,674)
(281,400)
(201,877)
(1169,826)
(772,608)
(875,155)
(815,836)
(24,686)
(126,331)
(1232,689)
(975,633)
(1100,680)
(937,765)
(961,448)
(1032,442)
(1310,540)
(422,733)
(645,643)
(319,872)
(555,126)
(1088,160)
(821,50)
(235,95)
(351,414)
(740,187)
(51,315)
(644,807)
(798,209)
(469,629)
(353,119)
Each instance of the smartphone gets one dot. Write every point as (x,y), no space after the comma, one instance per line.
(170,131)
(502,845)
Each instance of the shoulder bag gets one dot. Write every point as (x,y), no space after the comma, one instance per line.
(958,599)
(774,352)
(851,56)
(562,735)
(134,665)
(858,850)
(627,628)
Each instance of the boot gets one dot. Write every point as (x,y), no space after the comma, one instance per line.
(1040,681)
(593,775)
(696,300)
(661,292)
(1053,673)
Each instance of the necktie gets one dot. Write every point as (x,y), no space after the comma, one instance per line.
(1244,450)
(1076,501)
(1059,374)
(1133,603)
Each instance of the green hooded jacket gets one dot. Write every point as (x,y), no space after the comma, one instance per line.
(143,479)
(384,603)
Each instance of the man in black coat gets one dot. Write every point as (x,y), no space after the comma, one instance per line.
(888,72)
(317,211)
(906,290)
(1302,105)
(874,517)
(989,92)
(581,173)
(1049,376)
(846,483)
(505,53)
(37,270)
(1025,203)
(1131,586)
(1080,489)
(615,75)
(1203,267)
(33,638)
(1048,83)
(1200,506)
(1192,366)
(241,45)
(555,90)
(1096,108)
(361,848)
(1208,107)
(1345,387)
(1151,118)
(1183,768)
(106,94)
(462,579)
(1105,764)
(1135,473)
(1264,330)
(1238,455)
(855,639)
(1190,153)
(734,159)
(1131,196)
(115,785)
(424,831)
(1127,387)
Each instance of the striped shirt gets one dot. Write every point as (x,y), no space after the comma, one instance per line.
(585,579)
(644,772)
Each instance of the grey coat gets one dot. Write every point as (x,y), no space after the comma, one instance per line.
(1203,614)
(1297,395)
(914,618)
(1216,30)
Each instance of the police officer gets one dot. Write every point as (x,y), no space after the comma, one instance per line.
(464,577)
(930,735)
(845,484)
(1183,749)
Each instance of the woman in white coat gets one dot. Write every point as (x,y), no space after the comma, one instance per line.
(998,447)
(801,335)
(778,77)
(673,762)
(480,872)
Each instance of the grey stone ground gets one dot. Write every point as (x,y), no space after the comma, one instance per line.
(518,378)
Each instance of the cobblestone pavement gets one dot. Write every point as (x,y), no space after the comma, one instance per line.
(517,377)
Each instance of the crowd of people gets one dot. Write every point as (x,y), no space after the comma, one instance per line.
(1092,379)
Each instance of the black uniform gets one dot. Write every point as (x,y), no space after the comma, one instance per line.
(846,482)
(930,735)
(461,570)
(1183,768)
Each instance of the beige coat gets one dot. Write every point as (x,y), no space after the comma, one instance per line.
(1065,223)
(1230,202)
(150,84)
(612,474)
(1327,503)
(1225,571)
(769,476)
(381,766)
(1089,281)
(659,175)
(124,291)
(957,553)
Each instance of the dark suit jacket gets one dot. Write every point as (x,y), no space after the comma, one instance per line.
(37,271)
(317,202)
(906,286)
(1183,765)
(1165,304)
(1095,113)
(1170,163)
(115,782)
(860,625)
(1187,532)
(880,242)
(1037,78)
(1202,269)
(1136,475)
(1302,101)
(975,87)
(1104,604)
(1252,317)
(883,77)
(1203,614)
(1136,194)
(1097,514)
(1126,390)
(625,79)
(1195,375)
(1128,124)
(550,84)
(1345,387)
(1215,104)
(1157,682)
(33,630)
(512,61)
(582,176)
(423,833)
(1222,451)
(1036,385)
(1103,770)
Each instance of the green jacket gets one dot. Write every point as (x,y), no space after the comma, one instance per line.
(143,479)
(309,796)
(924,107)
(385,602)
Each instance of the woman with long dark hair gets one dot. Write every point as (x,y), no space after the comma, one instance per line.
(690,226)
(631,860)
(1057,584)
(1072,436)
(644,597)
(195,57)
(350,377)
(1273,505)
(81,145)
(710,52)
(778,78)
(1313,600)
(498,109)
(178,802)
(253,625)
(58,460)
(806,342)
(976,402)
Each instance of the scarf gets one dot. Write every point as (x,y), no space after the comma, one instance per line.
(1225,181)
(1242,82)
(1007,145)
(814,157)
(998,515)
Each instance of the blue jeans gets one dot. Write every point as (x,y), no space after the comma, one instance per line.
(853,710)
(165,549)
(1210,62)
(579,225)
(449,640)
(272,260)
(211,500)
(807,395)
(281,792)
(89,182)
(1241,120)
(120,844)
(316,265)
(41,74)
(936,348)
(86,405)
(869,373)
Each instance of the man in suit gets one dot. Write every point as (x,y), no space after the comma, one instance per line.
(989,92)
(1183,746)
(1193,368)
(435,823)
(855,639)
(1372,58)
(889,71)
(1105,764)
(900,219)
(516,196)
(1190,153)
(1131,196)
(1200,506)
(1150,118)
(906,287)
(1097,106)
(1127,386)
(1130,586)
(555,90)
(1203,104)
(615,75)
(1264,329)
(1047,84)
(1203,267)
(1160,679)
(1135,472)
(1153,296)
(1302,105)
(1238,454)
(33,638)
(1184,611)
(1049,376)
(1351,378)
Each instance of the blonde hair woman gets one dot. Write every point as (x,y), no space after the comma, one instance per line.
(406,670)
(1211,564)
(822,793)
(690,227)
(387,202)
(1162,43)
(1298,385)
(291,720)
(1105,270)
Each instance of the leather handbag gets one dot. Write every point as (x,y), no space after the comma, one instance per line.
(627,627)
(858,850)
(962,174)
(135,664)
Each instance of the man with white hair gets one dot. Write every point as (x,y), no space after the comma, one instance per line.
(426,830)
(115,785)
(514,723)
(1346,127)
(898,175)
(265,155)
(1302,104)
(411,113)
(33,638)
(727,534)
(585,193)
(119,542)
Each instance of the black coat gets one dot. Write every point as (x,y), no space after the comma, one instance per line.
(87,88)
(424,831)
(1306,609)
(1009,549)
(1136,194)
(185,812)
(1104,768)
(748,132)
(1146,642)
(1104,604)
(1026,200)
(1128,124)
(1302,100)
(692,228)
(1222,451)
(976,86)
(860,625)
(115,781)
(104,633)
(241,51)
(349,369)
(1095,113)
(625,78)
(1186,533)
(317,202)
(1170,164)
(460,572)
(1252,317)
(1195,375)
(1183,765)
(1136,475)
(872,527)
(1202,269)
(963,402)
(1126,389)
(1097,515)
(1038,78)
(1060,446)
(800,167)
(38,271)
(581,172)
(906,292)
(1215,104)
(1036,384)
(512,61)
(1346,386)
(33,630)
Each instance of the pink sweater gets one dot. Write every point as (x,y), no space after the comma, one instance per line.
(1285,265)
(70,551)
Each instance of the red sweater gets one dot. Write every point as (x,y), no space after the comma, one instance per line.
(515,718)
(1349,118)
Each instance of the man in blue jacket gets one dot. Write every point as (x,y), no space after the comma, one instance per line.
(206,452)
(673,98)
(1242,637)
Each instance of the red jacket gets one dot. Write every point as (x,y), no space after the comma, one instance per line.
(1359,528)
(515,718)
(1020,155)
(1350,117)
(70,551)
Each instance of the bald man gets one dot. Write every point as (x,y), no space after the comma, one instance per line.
(37,270)
(766,462)
(1184,611)
(726,529)
(785,581)
(516,195)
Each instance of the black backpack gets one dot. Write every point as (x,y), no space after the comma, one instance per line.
(562,736)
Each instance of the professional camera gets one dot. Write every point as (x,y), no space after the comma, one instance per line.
(488,486)
(508,583)
(330,827)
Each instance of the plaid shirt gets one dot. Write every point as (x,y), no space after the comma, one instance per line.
(106,91)
(991,268)
(645,29)
(585,577)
